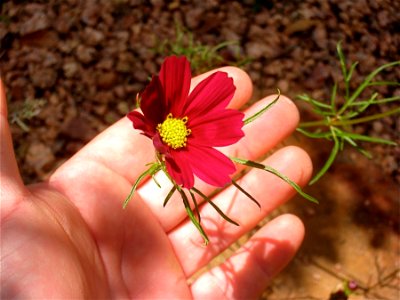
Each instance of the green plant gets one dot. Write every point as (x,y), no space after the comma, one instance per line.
(19,113)
(337,119)
(202,57)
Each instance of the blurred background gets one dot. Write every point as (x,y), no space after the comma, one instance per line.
(72,68)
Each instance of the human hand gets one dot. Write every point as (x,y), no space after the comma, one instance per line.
(69,237)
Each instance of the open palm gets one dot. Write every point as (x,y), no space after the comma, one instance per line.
(70,238)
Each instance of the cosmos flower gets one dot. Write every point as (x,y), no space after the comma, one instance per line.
(185,127)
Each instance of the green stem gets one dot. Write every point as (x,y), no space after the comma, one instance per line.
(349,122)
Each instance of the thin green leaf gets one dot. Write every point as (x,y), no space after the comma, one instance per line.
(196,206)
(350,141)
(365,84)
(357,147)
(329,161)
(333,97)
(246,193)
(317,103)
(190,213)
(223,45)
(324,113)
(364,119)
(370,139)
(215,206)
(385,83)
(379,101)
(360,109)
(313,101)
(318,107)
(342,59)
(152,170)
(304,97)
(364,152)
(315,135)
(253,164)
(351,70)
(155,180)
(171,192)
(262,111)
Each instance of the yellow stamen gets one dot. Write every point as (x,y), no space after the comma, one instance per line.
(173,131)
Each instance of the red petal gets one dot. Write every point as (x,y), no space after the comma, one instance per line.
(214,92)
(179,169)
(210,165)
(175,78)
(141,123)
(152,102)
(217,129)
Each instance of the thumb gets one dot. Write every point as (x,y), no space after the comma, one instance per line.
(12,187)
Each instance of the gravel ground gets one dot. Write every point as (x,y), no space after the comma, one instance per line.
(76,66)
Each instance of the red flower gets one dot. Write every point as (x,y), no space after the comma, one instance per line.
(185,127)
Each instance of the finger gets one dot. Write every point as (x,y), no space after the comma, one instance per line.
(126,152)
(260,137)
(248,272)
(268,189)
(12,187)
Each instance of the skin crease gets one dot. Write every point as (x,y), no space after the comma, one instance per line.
(69,238)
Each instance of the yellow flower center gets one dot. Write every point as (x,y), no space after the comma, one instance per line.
(173,131)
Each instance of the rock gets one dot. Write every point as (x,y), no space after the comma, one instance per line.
(104,97)
(105,64)
(141,75)
(54,99)
(123,107)
(120,91)
(318,77)
(93,37)
(300,25)
(283,85)
(256,50)
(320,36)
(125,62)
(38,21)
(68,46)
(90,13)
(106,80)
(85,54)
(43,39)
(39,156)
(157,3)
(111,117)
(65,21)
(71,69)
(42,57)
(78,128)
(43,78)
(151,67)
(193,17)
(262,17)
(72,147)
(100,109)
